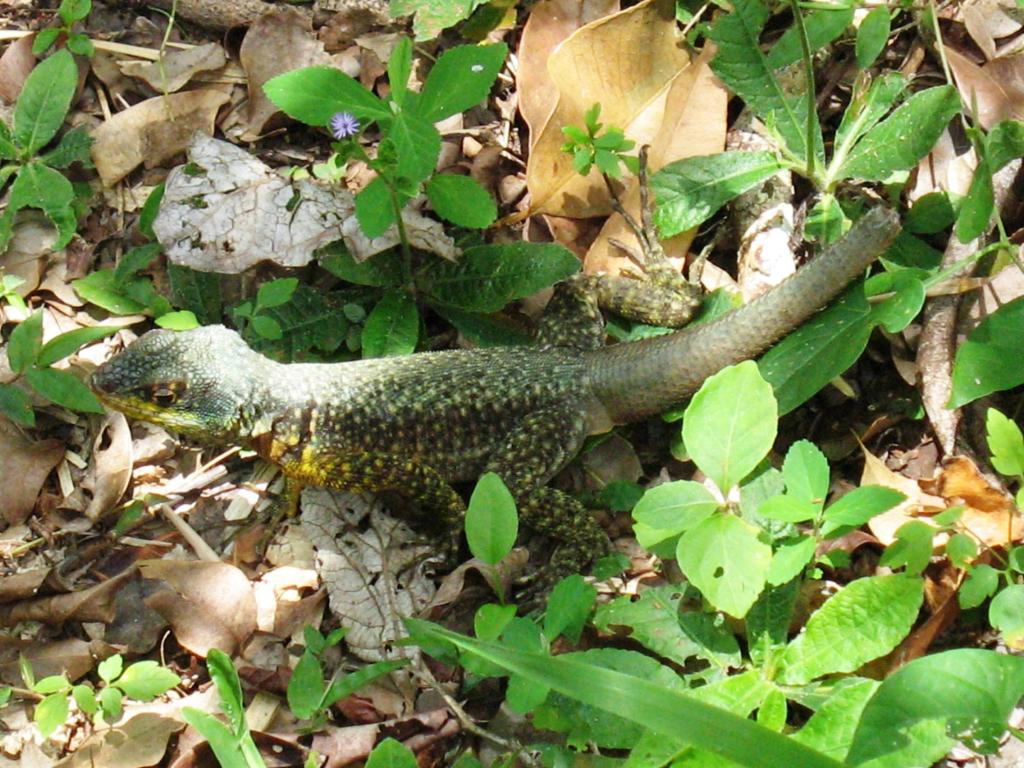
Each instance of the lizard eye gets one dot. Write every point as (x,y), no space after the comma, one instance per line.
(164,395)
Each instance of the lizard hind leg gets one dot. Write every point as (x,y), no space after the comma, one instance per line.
(540,445)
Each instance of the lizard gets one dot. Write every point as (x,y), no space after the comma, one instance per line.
(419,423)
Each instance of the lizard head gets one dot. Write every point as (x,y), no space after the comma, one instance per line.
(195,382)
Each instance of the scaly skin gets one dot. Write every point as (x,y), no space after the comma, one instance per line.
(417,424)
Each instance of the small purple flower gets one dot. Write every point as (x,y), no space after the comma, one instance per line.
(344,125)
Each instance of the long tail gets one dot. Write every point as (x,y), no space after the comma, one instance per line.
(643,378)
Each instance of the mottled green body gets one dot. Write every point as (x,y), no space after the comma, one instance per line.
(416,424)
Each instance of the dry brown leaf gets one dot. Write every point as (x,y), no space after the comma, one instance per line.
(283,600)
(550,22)
(93,604)
(277,42)
(209,605)
(153,131)
(995,88)
(111,469)
(70,656)
(990,514)
(15,65)
(989,20)
(345,746)
(944,169)
(139,742)
(18,586)
(26,465)
(692,123)
(177,67)
(917,503)
(29,249)
(628,63)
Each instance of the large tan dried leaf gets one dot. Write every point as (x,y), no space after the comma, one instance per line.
(29,249)
(997,88)
(15,65)
(550,22)
(70,656)
(628,63)
(111,468)
(153,131)
(917,503)
(693,123)
(93,604)
(26,465)
(990,20)
(990,514)
(209,605)
(139,742)
(177,67)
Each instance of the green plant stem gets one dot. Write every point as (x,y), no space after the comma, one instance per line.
(403,238)
(805,45)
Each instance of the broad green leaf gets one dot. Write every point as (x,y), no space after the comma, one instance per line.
(25,343)
(896,312)
(399,69)
(110,668)
(707,557)
(72,148)
(1005,142)
(44,101)
(51,713)
(690,191)
(967,694)
(826,220)
(102,289)
(491,520)
(71,11)
(149,211)
(434,16)
(306,686)
(653,622)
(930,214)
(7,149)
(818,351)
(491,619)
(346,685)
(912,548)
(982,581)
(393,327)
(37,186)
(1006,613)
(461,200)
(912,252)
(85,699)
(63,388)
(45,38)
(68,343)
(1005,442)
(16,405)
(858,506)
(730,424)
(417,143)
(145,680)
(487,277)
(267,327)
(461,78)
(834,640)
(183,320)
(977,207)
(384,270)
(788,509)
(276,292)
(375,209)
(80,44)
(989,361)
(196,291)
(111,702)
(313,95)
(669,509)
(222,741)
(961,549)
(832,726)
(768,621)
(670,712)
(806,473)
(391,754)
(872,35)
(823,26)
(485,330)
(789,560)
(569,608)
(903,138)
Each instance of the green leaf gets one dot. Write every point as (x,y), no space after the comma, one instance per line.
(111,702)
(806,473)
(823,26)
(1006,613)
(51,713)
(961,549)
(110,668)
(306,687)
(461,78)
(45,38)
(568,608)
(229,687)
(912,548)
(789,560)
(768,622)
(490,620)
(670,712)
(391,754)
(222,741)
(7,150)
(834,639)
(826,220)
(71,11)
(982,581)
(393,327)
(967,693)
(418,145)
(487,277)
(872,35)
(907,135)
(102,289)
(145,680)
(384,270)
(896,312)
(25,343)
(80,44)
(64,389)
(930,214)
(690,191)
(346,685)
(72,148)
(858,506)
(707,556)
(831,727)
(399,69)
(274,293)
(653,621)
(1005,142)
(37,186)
(977,207)
(16,405)
(491,520)
(85,698)
(989,361)
(44,102)
(149,211)
(668,509)
(788,509)
(433,16)
(183,320)
(374,208)
(1006,443)
(196,291)
(68,343)
(730,424)
(313,95)
(818,351)
(461,200)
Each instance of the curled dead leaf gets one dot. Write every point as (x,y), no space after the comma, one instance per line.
(177,67)
(917,503)
(26,465)
(990,513)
